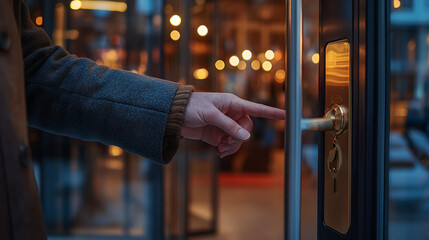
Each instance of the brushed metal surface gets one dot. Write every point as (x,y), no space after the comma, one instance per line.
(337,184)
(293,121)
(334,120)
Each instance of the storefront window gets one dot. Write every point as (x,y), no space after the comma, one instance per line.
(409,124)
(88,190)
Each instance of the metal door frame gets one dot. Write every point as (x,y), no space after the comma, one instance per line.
(371,92)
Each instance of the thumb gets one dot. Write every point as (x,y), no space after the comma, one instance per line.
(229,126)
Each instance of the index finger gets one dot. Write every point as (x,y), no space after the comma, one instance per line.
(260,110)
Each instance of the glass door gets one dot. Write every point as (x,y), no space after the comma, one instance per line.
(350,122)
(88,190)
(409,120)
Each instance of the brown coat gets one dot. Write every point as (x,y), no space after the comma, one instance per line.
(20,208)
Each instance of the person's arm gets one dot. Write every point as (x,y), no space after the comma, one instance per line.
(75,97)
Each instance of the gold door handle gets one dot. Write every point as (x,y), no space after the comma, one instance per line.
(335,120)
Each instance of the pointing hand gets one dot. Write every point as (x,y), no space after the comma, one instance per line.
(222,120)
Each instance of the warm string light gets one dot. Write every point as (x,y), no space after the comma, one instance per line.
(262,60)
(267,66)
(175,35)
(115,151)
(280,76)
(247,54)
(256,65)
(315,58)
(75,4)
(269,54)
(202,30)
(201,73)
(175,20)
(39,21)
(396,3)
(220,65)
(234,61)
(242,65)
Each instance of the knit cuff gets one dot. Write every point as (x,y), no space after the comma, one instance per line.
(174,123)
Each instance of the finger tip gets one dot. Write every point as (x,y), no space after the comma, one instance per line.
(243,134)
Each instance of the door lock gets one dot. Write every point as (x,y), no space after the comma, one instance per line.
(335,120)
(334,159)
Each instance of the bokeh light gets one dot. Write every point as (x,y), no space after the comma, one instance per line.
(115,151)
(202,30)
(201,73)
(75,4)
(280,76)
(242,65)
(234,61)
(175,35)
(267,66)
(269,54)
(175,20)
(39,21)
(247,54)
(220,65)
(278,54)
(256,65)
(315,58)
(396,3)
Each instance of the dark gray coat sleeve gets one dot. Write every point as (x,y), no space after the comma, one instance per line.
(77,98)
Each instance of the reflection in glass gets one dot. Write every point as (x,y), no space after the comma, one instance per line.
(409,122)
(89,190)
(338,63)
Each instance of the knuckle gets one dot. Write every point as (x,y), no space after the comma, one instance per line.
(233,126)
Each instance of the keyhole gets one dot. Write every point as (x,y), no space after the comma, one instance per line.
(333,160)
(335,185)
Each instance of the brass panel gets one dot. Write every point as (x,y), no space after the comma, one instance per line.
(338,155)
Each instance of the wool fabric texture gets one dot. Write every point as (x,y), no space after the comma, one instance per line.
(78,98)
(172,135)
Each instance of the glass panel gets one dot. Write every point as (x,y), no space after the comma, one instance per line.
(89,190)
(201,195)
(191,195)
(248,60)
(409,123)
(243,54)
(202,158)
